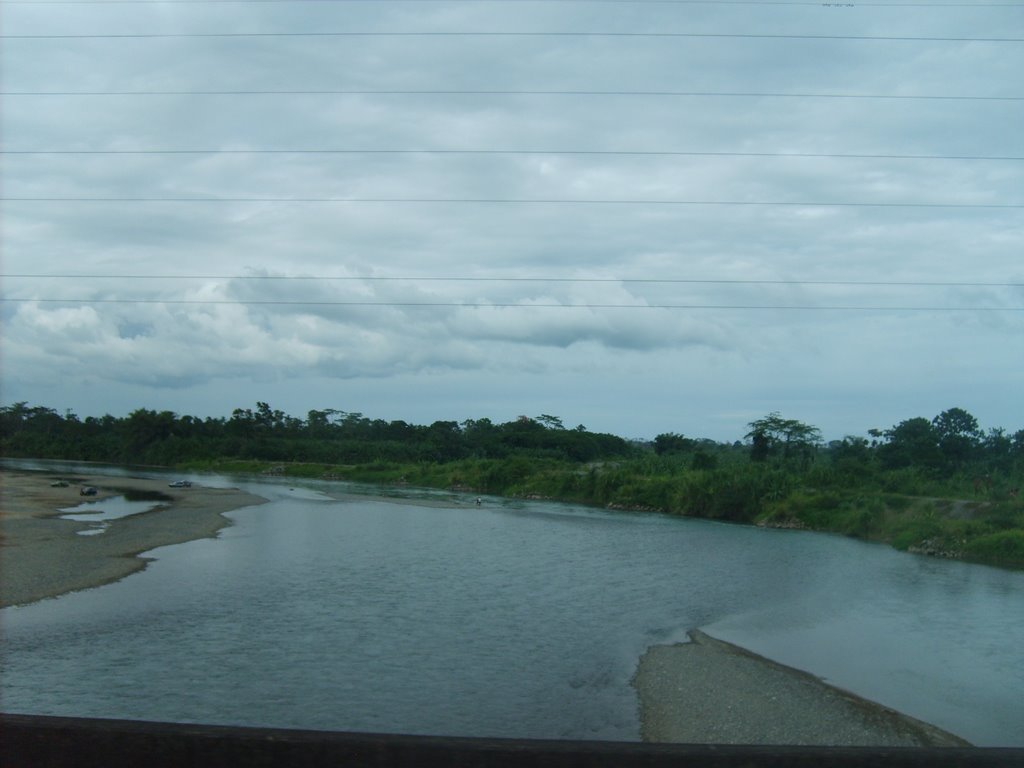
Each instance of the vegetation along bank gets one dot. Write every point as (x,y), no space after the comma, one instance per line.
(940,486)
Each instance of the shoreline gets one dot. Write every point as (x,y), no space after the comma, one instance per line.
(43,556)
(708,691)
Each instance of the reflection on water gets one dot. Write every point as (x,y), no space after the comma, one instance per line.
(509,619)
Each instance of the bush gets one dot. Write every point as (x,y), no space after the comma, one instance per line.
(702,460)
(862,517)
(1005,516)
(897,503)
(813,509)
(914,530)
(1003,548)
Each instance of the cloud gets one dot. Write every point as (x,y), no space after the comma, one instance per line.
(590,304)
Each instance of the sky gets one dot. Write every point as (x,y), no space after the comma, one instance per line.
(641,217)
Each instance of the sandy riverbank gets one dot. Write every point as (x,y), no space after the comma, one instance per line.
(42,555)
(709,691)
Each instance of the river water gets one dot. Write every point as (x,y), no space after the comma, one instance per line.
(425,613)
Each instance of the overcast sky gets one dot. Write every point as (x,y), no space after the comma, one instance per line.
(479,233)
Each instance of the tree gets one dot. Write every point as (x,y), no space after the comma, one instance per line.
(482,438)
(242,423)
(702,460)
(852,456)
(958,435)
(445,440)
(788,439)
(997,448)
(672,442)
(549,421)
(144,429)
(269,419)
(318,423)
(1018,442)
(912,442)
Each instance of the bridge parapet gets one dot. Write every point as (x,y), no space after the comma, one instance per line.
(30,741)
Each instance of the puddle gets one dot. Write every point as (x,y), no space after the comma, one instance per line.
(101,512)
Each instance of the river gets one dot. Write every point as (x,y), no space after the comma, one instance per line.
(424,613)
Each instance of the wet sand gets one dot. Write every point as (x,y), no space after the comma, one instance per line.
(43,556)
(710,691)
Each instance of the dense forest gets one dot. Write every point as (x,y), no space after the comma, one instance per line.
(942,486)
(328,436)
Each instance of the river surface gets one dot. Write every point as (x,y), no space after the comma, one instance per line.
(424,613)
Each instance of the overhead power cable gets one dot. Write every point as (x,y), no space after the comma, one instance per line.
(811,3)
(510,201)
(456,279)
(586,152)
(488,92)
(491,33)
(500,305)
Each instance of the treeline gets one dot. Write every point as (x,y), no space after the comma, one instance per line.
(951,445)
(265,434)
(942,485)
(948,449)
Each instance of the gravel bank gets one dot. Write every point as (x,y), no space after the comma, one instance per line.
(42,555)
(709,691)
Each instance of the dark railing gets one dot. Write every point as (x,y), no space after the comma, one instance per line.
(29,741)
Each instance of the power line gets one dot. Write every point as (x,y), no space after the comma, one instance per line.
(811,3)
(484,305)
(453,279)
(522,34)
(509,201)
(490,92)
(586,152)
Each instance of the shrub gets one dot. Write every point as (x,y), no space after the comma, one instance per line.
(1005,516)
(896,502)
(1002,548)
(914,530)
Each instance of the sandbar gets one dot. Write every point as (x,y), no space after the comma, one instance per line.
(42,555)
(711,692)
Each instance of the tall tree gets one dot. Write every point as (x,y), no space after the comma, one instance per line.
(912,442)
(549,421)
(788,439)
(958,435)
